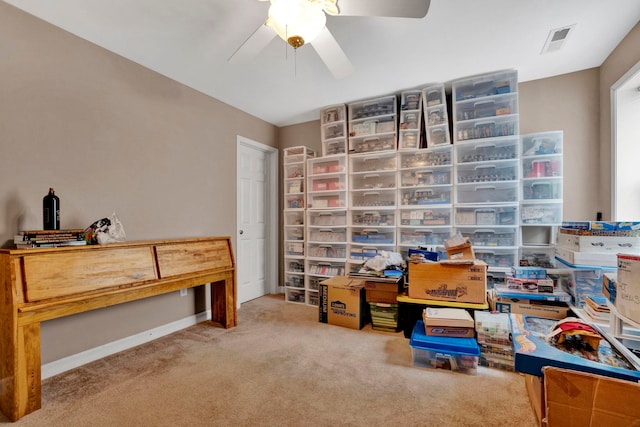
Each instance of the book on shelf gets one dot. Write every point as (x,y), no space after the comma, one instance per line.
(31,245)
(598,316)
(597,303)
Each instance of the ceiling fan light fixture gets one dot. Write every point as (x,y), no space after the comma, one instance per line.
(297,21)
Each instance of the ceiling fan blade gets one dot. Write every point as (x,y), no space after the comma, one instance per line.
(332,54)
(253,45)
(395,8)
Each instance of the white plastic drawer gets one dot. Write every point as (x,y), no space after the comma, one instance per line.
(372,108)
(542,167)
(425,177)
(410,100)
(294,218)
(487,128)
(294,248)
(487,172)
(487,151)
(482,108)
(295,202)
(490,236)
(294,170)
(542,143)
(433,95)
(538,256)
(294,280)
(333,113)
(422,217)
(294,233)
(409,139)
(500,258)
(321,165)
(496,192)
(507,215)
(369,199)
(334,130)
(328,235)
(294,265)
(424,196)
(332,183)
(373,181)
(436,116)
(373,218)
(372,163)
(335,146)
(328,219)
(327,269)
(373,236)
(369,144)
(440,156)
(541,189)
(485,85)
(541,213)
(423,236)
(438,135)
(335,200)
(410,120)
(325,250)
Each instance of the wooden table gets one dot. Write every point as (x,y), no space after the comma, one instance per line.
(47,283)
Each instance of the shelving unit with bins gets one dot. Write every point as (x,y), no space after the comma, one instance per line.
(410,120)
(487,166)
(294,166)
(436,117)
(373,125)
(541,195)
(327,195)
(424,197)
(372,206)
(333,129)
(326,248)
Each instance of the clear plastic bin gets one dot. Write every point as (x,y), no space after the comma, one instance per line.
(474,152)
(328,219)
(373,236)
(488,107)
(424,236)
(422,217)
(497,192)
(542,143)
(373,218)
(455,354)
(373,181)
(372,163)
(542,167)
(334,200)
(323,250)
(507,215)
(440,156)
(424,196)
(425,177)
(486,128)
(487,172)
(373,199)
(541,213)
(490,237)
(541,189)
(497,258)
(369,144)
(329,235)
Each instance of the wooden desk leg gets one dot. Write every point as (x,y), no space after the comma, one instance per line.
(223,303)
(21,382)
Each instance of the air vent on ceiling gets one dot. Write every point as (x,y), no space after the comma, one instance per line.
(556,39)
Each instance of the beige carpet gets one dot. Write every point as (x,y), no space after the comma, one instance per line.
(278,367)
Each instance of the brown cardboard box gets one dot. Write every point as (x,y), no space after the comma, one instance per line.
(546,309)
(462,251)
(535,390)
(450,322)
(449,280)
(342,302)
(384,292)
(579,399)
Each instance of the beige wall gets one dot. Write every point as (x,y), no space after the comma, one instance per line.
(570,103)
(110,135)
(621,60)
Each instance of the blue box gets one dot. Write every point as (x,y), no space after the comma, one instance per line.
(533,352)
(455,354)
(428,255)
(628,225)
(529,272)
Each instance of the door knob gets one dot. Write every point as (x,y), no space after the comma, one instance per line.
(241,231)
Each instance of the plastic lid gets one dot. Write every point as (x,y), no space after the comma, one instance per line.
(419,339)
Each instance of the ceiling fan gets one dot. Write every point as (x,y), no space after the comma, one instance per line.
(300,22)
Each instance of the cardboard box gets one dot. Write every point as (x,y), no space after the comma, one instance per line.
(448,322)
(535,391)
(627,298)
(545,309)
(449,280)
(462,251)
(579,399)
(342,302)
(383,292)
(609,289)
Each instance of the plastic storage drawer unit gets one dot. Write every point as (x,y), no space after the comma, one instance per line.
(455,354)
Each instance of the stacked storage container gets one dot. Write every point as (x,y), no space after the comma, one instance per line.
(493,332)
(295,159)
(487,167)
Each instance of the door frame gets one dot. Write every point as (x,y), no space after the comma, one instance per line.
(632,73)
(271,207)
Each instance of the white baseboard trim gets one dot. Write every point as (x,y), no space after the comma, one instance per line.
(70,362)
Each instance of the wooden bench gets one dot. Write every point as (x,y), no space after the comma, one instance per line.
(47,283)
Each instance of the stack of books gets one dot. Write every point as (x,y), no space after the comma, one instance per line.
(595,306)
(49,238)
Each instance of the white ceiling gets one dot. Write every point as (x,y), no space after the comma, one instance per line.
(191,40)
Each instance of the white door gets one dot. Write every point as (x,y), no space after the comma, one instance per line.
(255,219)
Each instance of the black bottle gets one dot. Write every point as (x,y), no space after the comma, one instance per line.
(51,211)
